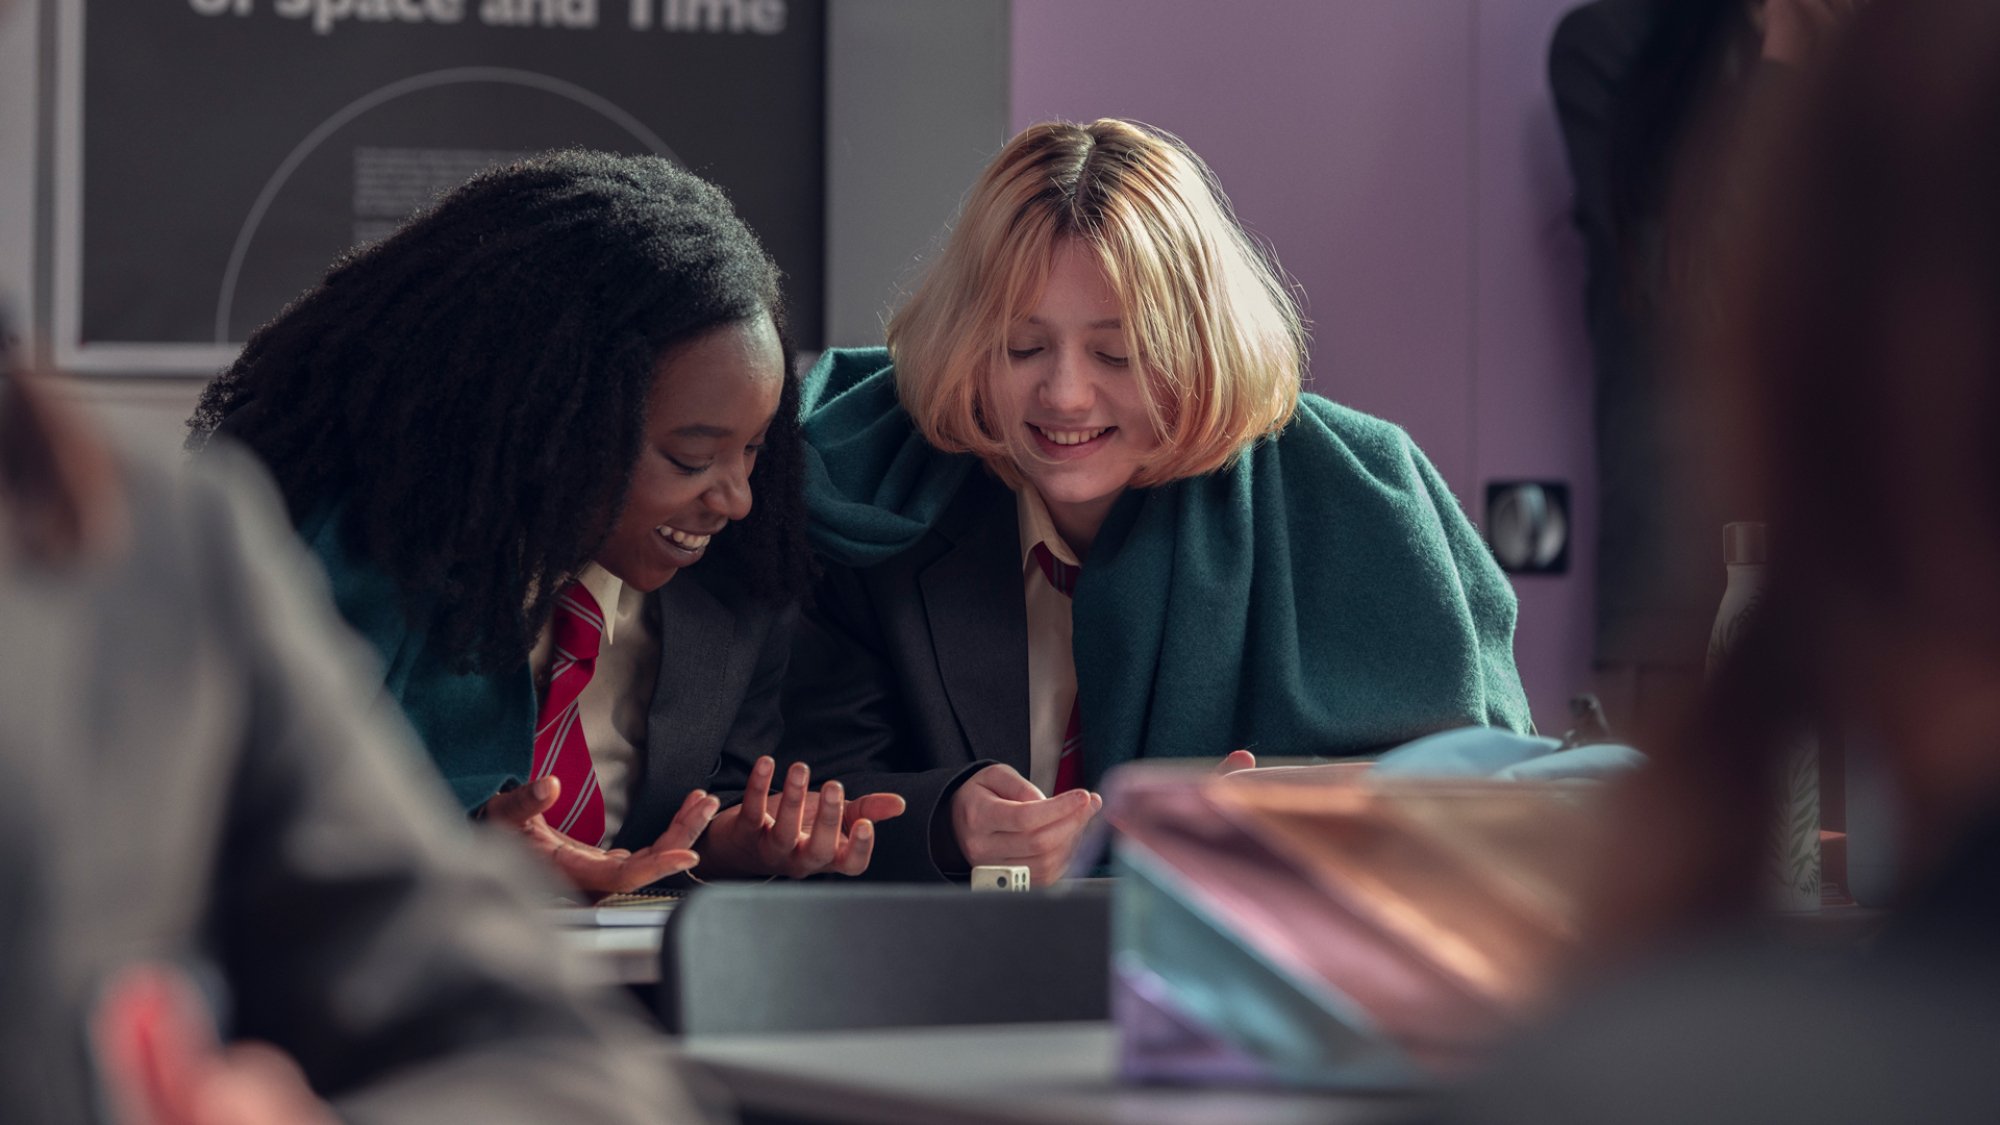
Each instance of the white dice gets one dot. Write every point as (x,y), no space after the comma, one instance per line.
(995,877)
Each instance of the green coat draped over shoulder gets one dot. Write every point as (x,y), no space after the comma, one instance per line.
(478,727)
(1322,595)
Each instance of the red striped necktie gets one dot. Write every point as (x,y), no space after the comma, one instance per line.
(577,629)
(1069,765)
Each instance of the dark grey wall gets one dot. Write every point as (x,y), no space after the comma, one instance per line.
(917,103)
(18,76)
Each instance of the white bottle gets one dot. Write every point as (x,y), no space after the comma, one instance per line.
(1793,858)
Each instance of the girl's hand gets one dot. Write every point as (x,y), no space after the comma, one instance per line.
(805,833)
(1000,817)
(598,871)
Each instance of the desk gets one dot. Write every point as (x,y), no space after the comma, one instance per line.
(1012,1074)
(630,955)
(614,955)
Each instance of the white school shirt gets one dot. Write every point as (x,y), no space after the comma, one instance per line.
(1051,662)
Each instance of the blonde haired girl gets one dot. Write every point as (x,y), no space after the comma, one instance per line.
(1220,337)
(1079,511)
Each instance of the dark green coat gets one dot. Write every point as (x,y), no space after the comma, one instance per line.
(1324,595)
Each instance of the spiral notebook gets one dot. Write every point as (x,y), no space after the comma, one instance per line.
(643,909)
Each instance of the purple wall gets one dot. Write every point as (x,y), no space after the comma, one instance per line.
(1403,161)
(1532,385)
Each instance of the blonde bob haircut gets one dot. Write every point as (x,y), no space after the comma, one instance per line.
(1207,317)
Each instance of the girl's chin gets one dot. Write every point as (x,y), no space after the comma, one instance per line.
(1058,489)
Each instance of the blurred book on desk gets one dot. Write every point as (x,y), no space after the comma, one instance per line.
(1331,926)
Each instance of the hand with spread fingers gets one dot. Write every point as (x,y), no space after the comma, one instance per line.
(600,871)
(1001,817)
(803,833)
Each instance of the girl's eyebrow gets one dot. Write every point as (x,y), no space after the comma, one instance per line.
(701,430)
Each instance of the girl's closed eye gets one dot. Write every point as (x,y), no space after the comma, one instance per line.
(683,467)
(1111,360)
(1023,353)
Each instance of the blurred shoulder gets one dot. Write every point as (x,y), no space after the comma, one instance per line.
(1604,30)
(189,513)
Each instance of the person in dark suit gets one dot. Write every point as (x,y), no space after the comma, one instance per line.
(207,787)
(1094,401)
(504,430)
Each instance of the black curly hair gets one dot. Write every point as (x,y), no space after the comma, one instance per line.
(471,390)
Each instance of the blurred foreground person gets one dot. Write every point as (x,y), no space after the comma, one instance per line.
(201,778)
(1857,377)
(1636,84)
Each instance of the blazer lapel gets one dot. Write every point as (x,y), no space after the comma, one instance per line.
(979,626)
(691,710)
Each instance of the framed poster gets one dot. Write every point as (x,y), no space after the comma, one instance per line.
(213,157)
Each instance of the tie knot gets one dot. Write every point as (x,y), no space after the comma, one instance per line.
(1060,574)
(578,625)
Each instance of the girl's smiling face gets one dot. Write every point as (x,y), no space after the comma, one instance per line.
(1072,390)
(712,401)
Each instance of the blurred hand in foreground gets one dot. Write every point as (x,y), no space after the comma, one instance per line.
(161,1064)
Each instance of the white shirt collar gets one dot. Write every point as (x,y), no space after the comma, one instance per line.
(1037,526)
(606,587)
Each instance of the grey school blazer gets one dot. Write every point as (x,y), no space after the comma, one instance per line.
(199,770)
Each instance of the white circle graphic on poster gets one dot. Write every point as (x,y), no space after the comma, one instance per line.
(406,141)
